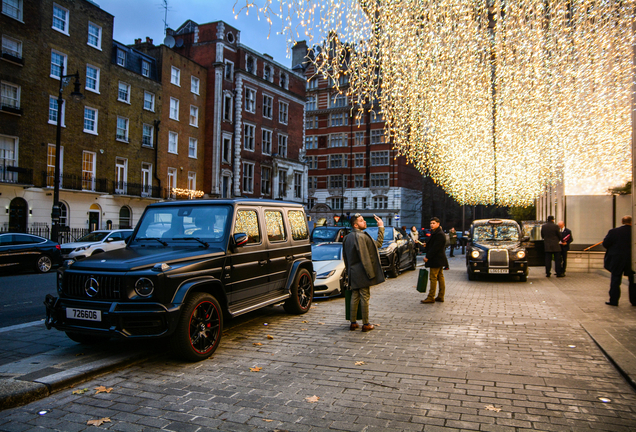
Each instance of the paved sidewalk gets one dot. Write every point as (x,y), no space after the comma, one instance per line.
(497,355)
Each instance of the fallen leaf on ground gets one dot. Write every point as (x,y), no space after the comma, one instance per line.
(257,344)
(80,391)
(321,323)
(270,337)
(312,399)
(492,408)
(360,363)
(256,369)
(305,322)
(102,389)
(303,329)
(79,354)
(268,420)
(98,422)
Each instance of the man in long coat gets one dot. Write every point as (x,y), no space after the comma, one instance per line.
(362,261)
(551,235)
(618,260)
(436,260)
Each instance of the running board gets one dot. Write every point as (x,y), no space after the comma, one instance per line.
(248,306)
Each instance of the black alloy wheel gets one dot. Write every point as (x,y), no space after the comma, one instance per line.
(199,329)
(302,293)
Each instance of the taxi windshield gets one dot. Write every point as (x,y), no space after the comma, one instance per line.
(501,232)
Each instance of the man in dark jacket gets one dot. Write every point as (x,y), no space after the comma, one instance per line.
(566,239)
(551,235)
(436,260)
(618,260)
(362,261)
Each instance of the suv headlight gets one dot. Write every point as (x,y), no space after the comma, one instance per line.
(521,254)
(81,248)
(474,254)
(144,287)
(325,275)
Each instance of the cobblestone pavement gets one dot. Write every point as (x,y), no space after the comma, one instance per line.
(497,355)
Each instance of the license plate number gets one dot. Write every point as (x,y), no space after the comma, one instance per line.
(504,271)
(84,314)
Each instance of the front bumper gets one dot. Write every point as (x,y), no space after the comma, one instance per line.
(516,267)
(118,319)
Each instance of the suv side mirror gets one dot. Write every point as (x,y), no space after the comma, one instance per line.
(240,239)
(110,239)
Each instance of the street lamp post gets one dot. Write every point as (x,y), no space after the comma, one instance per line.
(76,94)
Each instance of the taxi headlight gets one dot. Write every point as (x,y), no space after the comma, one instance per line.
(144,287)
(521,254)
(474,254)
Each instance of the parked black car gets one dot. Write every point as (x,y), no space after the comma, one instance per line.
(495,247)
(186,266)
(327,234)
(397,252)
(19,250)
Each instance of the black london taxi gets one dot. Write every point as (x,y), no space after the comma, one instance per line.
(495,247)
(187,265)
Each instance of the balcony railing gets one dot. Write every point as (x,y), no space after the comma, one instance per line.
(12,56)
(14,174)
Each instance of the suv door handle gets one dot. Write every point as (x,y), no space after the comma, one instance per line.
(289,257)
(263,262)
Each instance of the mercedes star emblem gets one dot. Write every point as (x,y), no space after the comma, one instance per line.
(91,287)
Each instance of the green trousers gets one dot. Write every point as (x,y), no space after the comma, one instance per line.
(362,296)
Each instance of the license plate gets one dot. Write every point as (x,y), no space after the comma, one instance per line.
(504,271)
(84,314)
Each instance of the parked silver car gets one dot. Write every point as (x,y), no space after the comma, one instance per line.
(96,242)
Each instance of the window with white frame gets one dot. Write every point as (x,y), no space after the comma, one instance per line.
(58,63)
(337,161)
(192,148)
(359,139)
(226,153)
(53,110)
(174,109)
(298,185)
(13,8)
(194,116)
(335,181)
(310,104)
(147,135)
(380,202)
(312,83)
(358,181)
(267,73)
(172,181)
(50,164)
(337,140)
(377,117)
(90,120)
(8,158)
(283,112)
(250,100)
(146,179)
(268,103)
(248,136)
(282,145)
(282,183)
(266,180)
(311,142)
(227,107)
(194,85)
(11,46)
(266,144)
(10,95)
(312,183)
(311,202)
(94,35)
(336,203)
(229,71)
(377,136)
(173,142)
(121,174)
(88,170)
(92,78)
(311,122)
(337,101)
(248,177)
(380,180)
(354,204)
(123,93)
(359,160)
(145,68)
(338,119)
(364,202)
(149,101)
(175,76)
(250,64)
(192,180)
(121,57)
(284,81)
(380,158)
(122,129)
(60,19)
(312,162)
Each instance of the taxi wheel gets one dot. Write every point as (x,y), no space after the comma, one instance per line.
(43,264)
(472,276)
(86,339)
(199,328)
(302,293)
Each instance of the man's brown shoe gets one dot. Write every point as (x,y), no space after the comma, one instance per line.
(441,300)
(353,326)
(367,327)
(428,300)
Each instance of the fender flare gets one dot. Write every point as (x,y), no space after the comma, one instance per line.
(298,264)
(191,284)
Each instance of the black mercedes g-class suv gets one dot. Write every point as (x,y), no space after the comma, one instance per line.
(186,266)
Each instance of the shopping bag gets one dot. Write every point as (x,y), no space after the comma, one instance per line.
(348,306)
(422,280)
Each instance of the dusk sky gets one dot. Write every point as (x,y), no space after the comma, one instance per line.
(140,18)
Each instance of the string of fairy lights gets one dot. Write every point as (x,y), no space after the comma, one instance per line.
(494,100)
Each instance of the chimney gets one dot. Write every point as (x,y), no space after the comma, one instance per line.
(138,41)
(148,40)
(299,54)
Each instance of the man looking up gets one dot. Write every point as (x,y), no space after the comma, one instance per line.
(436,260)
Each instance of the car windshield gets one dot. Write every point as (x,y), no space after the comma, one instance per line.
(502,232)
(388,233)
(326,235)
(94,237)
(326,253)
(208,223)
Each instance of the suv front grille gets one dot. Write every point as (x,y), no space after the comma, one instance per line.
(498,258)
(109,287)
(66,251)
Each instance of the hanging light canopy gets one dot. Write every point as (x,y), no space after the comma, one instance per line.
(494,100)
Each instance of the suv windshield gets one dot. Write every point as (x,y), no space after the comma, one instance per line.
(503,232)
(326,253)
(373,232)
(174,224)
(94,237)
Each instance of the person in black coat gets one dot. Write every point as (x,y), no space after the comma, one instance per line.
(618,260)
(551,235)
(566,239)
(436,260)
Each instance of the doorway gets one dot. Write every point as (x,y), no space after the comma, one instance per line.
(18,215)
(94,214)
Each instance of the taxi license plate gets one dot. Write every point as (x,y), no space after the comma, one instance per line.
(84,314)
(504,271)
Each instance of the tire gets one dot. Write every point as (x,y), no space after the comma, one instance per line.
(98,251)
(472,276)
(523,277)
(43,264)
(393,271)
(414,260)
(86,339)
(199,328)
(302,293)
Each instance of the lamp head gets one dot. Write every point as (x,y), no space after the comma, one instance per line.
(77,94)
